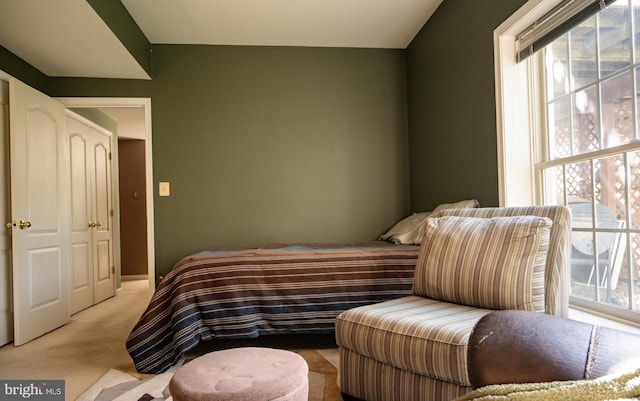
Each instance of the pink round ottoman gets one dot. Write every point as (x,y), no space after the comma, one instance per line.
(242,374)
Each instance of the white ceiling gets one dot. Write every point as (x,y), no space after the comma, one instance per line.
(66,38)
(319,23)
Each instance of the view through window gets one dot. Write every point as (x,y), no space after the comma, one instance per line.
(591,77)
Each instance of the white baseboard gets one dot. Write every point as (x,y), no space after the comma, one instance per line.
(133,277)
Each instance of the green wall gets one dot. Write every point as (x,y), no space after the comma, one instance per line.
(271,144)
(277,145)
(451,100)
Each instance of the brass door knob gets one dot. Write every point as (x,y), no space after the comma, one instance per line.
(24,224)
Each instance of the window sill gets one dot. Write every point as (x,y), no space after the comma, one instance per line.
(592,318)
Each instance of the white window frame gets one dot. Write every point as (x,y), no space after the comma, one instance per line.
(519,148)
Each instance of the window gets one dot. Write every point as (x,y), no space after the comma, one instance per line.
(579,113)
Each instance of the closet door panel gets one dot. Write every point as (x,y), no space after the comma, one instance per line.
(81,260)
(103,265)
(43,201)
(80,183)
(102,203)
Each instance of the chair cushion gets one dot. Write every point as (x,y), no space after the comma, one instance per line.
(421,335)
(558,255)
(496,262)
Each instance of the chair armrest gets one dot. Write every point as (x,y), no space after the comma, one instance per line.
(526,347)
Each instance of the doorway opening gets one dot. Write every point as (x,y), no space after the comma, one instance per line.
(134,124)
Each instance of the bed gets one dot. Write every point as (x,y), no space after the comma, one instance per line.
(246,292)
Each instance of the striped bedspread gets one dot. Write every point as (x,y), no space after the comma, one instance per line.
(252,291)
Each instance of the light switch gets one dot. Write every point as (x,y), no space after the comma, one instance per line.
(163,189)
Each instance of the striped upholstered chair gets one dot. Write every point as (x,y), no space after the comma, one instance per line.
(471,261)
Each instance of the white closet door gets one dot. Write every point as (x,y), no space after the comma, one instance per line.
(6,293)
(103,229)
(92,276)
(39,202)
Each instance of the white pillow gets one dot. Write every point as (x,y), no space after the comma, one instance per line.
(465,204)
(408,230)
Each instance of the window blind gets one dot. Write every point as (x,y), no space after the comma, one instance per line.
(566,15)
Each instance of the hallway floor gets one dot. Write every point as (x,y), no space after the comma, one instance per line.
(83,350)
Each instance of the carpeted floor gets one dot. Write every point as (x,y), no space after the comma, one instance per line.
(89,347)
(84,349)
